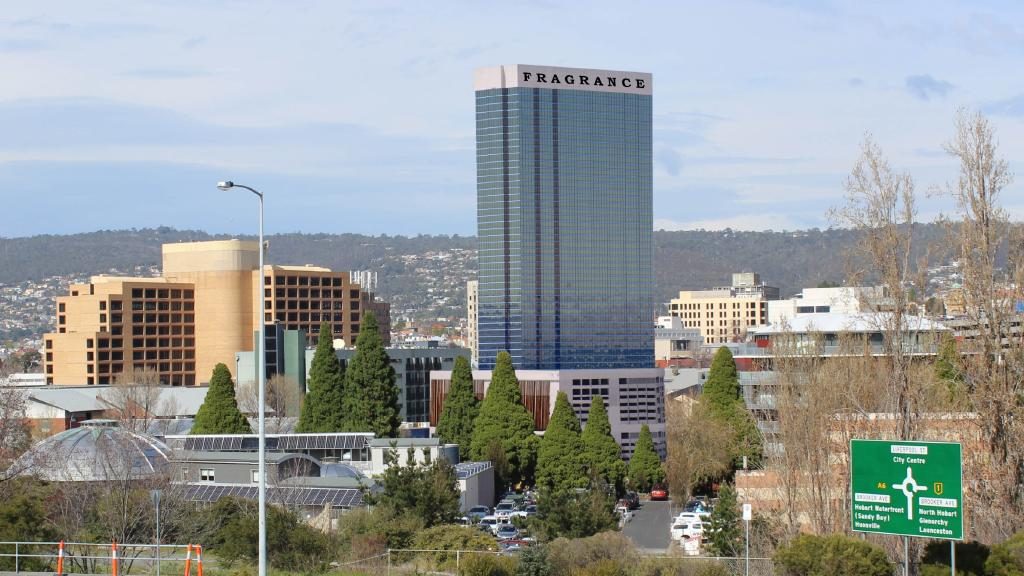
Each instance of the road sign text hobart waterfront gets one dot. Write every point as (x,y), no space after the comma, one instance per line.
(907,488)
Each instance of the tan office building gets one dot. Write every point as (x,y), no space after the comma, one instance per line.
(199,313)
(724,314)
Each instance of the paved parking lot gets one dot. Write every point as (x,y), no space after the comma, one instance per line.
(649,528)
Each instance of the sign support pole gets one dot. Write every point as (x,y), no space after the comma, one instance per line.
(952,558)
(906,556)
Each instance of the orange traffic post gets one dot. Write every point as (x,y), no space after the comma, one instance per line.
(113,559)
(199,560)
(60,557)
(188,560)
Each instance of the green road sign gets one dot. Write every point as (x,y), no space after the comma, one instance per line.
(907,488)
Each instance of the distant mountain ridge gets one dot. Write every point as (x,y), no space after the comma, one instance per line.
(692,259)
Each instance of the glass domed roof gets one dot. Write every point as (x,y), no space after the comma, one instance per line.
(339,470)
(96,451)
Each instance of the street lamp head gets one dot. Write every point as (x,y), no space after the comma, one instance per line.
(226,185)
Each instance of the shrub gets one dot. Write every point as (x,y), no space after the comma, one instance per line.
(452,538)
(487,565)
(1007,558)
(834,555)
(568,556)
(970,558)
(533,561)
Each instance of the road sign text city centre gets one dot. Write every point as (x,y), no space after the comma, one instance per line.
(907,488)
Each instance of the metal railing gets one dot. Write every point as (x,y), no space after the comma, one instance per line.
(93,558)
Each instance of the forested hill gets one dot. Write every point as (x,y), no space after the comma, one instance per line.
(691,259)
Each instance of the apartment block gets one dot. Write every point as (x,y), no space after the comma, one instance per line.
(196,315)
(725,314)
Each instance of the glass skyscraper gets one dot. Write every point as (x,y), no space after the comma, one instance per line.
(564,208)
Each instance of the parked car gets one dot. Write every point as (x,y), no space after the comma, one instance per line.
(478,512)
(526,511)
(506,532)
(634,500)
(659,492)
(488,523)
(687,529)
(504,510)
(688,517)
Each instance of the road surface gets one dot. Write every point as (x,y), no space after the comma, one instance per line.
(649,528)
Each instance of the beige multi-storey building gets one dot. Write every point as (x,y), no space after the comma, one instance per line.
(724,314)
(198,314)
(472,318)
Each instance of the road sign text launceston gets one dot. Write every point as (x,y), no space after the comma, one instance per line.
(907,488)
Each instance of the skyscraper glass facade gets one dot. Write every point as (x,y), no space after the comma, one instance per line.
(564,201)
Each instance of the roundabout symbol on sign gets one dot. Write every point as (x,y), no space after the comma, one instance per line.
(908,487)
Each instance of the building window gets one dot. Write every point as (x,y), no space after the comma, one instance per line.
(206,475)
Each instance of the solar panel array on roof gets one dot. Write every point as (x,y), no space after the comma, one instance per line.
(464,470)
(323,442)
(290,495)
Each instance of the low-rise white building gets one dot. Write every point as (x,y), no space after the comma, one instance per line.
(839,300)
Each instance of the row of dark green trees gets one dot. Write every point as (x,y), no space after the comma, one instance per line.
(363,398)
(500,429)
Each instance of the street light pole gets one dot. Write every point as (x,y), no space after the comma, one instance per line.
(261,363)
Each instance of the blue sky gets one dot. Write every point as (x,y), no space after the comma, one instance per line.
(358,117)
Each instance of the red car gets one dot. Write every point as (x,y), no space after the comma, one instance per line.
(659,492)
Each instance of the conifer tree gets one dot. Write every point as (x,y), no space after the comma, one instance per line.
(560,457)
(645,465)
(460,409)
(219,413)
(504,426)
(322,409)
(371,395)
(722,388)
(947,362)
(722,397)
(725,535)
(603,453)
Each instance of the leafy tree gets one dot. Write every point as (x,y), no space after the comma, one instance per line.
(23,518)
(560,458)
(460,409)
(645,465)
(835,555)
(574,513)
(323,408)
(291,544)
(722,397)
(602,453)
(429,492)
(219,413)
(506,424)
(726,534)
(1007,557)
(371,396)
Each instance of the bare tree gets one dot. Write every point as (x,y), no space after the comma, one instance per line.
(881,206)
(283,399)
(134,398)
(994,366)
(698,447)
(14,432)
